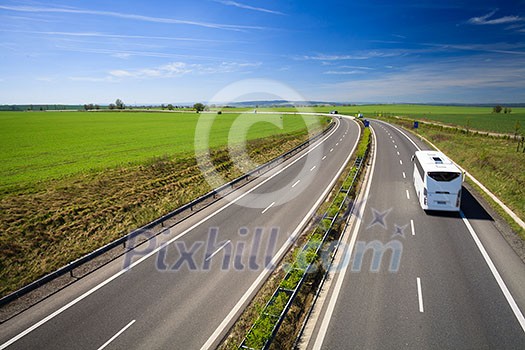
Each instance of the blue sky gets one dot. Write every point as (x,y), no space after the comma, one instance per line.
(186,51)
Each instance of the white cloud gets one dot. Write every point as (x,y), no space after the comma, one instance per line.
(116,36)
(177,69)
(248,7)
(484,20)
(119,73)
(335,72)
(129,16)
(356,56)
(453,81)
(506,48)
(328,58)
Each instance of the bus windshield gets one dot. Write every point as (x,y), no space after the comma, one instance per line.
(443,176)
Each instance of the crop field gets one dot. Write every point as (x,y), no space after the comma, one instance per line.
(74,181)
(39,146)
(477,118)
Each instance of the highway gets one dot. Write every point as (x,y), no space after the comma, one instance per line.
(445,281)
(183,289)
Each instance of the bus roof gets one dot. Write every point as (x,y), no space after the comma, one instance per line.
(436,161)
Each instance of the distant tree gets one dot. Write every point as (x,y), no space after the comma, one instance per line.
(199,107)
(497,109)
(119,104)
(170,107)
(112,106)
(97,107)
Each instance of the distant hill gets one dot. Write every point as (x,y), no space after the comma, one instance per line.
(282,103)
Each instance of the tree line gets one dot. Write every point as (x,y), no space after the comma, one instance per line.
(499,109)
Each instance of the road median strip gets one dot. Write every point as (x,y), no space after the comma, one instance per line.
(278,319)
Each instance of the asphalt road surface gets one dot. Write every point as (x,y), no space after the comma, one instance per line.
(435,287)
(184,288)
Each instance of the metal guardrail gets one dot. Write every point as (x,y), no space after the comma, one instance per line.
(226,189)
(294,292)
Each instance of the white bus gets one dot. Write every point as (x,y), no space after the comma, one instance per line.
(437,181)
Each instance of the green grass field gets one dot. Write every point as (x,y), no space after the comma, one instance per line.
(74,181)
(40,146)
(478,118)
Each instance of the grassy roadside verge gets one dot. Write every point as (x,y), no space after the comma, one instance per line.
(492,160)
(58,221)
(255,325)
(480,118)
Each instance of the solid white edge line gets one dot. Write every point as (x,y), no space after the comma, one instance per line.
(116,335)
(155,251)
(420,295)
(510,299)
(412,227)
(218,250)
(296,183)
(268,207)
(321,334)
(264,274)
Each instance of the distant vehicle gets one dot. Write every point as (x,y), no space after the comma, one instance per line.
(437,181)
(334,112)
(360,115)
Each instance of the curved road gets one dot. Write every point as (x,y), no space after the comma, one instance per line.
(445,281)
(185,288)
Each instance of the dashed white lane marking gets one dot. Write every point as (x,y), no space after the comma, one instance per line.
(408,195)
(400,162)
(295,184)
(323,158)
(218,250)
(404,175)
(268,207)
(313,168)
(412,227)
(420,295)
(116,335)
(331,149)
